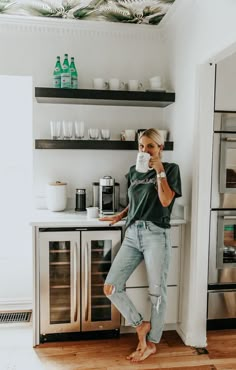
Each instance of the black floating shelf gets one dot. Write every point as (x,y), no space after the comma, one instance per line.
(104,97)
(92,144)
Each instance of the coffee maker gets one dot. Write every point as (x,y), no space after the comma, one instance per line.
(106,195)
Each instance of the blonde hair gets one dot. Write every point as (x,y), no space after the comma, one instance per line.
(154,135)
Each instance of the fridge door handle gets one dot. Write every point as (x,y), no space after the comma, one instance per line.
(229,217)
(86,293)
(75,282)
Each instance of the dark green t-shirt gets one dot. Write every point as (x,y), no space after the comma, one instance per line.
(144,202)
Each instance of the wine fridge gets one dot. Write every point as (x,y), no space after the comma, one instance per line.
(73,265)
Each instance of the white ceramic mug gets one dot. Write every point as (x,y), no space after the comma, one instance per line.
(142,162)
(129,135)
(115,84)
(92,212)
(134,85)
(99,83)
(155,82)
(163,134)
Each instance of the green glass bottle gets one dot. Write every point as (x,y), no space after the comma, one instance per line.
(66,76)
(74,74)
(57,74)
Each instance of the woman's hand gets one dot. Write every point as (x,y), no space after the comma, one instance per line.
(114,219)
(156,163)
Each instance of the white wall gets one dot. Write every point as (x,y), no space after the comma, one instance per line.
(192,32)
(100,49)
(29,47)
(16,190)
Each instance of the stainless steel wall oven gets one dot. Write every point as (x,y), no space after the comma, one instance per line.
(222,250)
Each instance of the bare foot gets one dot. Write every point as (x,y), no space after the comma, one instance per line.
(138,349)
(142,355)
(142,331)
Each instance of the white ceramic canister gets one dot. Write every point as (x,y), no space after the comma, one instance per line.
(56,196)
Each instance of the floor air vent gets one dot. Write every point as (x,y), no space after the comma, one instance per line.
(13,317)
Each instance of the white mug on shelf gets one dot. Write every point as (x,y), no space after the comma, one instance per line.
(142,162)
(164,134)
(129,135)
(99,83)
(155,82)
(134,85)
(115,84)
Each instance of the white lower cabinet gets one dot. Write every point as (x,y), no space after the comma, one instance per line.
(137,284)
(139,276)
(141,300)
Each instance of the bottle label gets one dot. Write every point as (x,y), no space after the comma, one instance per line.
(66,81)
(74,83)
(57,81)
(72,69)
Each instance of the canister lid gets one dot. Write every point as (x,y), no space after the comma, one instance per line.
(57,183)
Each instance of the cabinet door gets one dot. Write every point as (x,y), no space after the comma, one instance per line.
(139,276)
(98,251)
(59,256)
(175,236)
(141,300)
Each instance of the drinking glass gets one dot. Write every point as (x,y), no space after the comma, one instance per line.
(105,134)
(55,127)
(79,129)
(67,127)
(93,133)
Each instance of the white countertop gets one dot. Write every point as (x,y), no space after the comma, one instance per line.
(70,218)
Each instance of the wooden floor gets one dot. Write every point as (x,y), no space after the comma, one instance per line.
(16,353)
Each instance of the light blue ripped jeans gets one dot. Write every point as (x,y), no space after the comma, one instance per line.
(143,240)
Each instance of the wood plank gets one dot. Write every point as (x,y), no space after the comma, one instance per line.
(16,352)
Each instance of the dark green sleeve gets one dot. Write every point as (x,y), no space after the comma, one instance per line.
(174,180)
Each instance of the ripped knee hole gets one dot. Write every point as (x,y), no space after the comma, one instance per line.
(108,289)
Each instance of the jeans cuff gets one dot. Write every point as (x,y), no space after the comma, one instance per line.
(150,339)
(137,323)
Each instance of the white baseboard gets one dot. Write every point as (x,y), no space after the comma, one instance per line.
(130,329)
(17,304)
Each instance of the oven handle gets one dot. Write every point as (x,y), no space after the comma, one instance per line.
(231,139)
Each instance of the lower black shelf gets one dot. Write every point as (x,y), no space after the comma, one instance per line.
(92,144)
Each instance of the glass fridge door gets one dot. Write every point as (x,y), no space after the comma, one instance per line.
(98,251)
(59,282)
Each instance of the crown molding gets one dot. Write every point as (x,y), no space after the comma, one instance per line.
(12,23)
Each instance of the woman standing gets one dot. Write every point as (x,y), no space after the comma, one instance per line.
(151,198)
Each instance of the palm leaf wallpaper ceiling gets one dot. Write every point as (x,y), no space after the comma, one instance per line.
(125,11)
